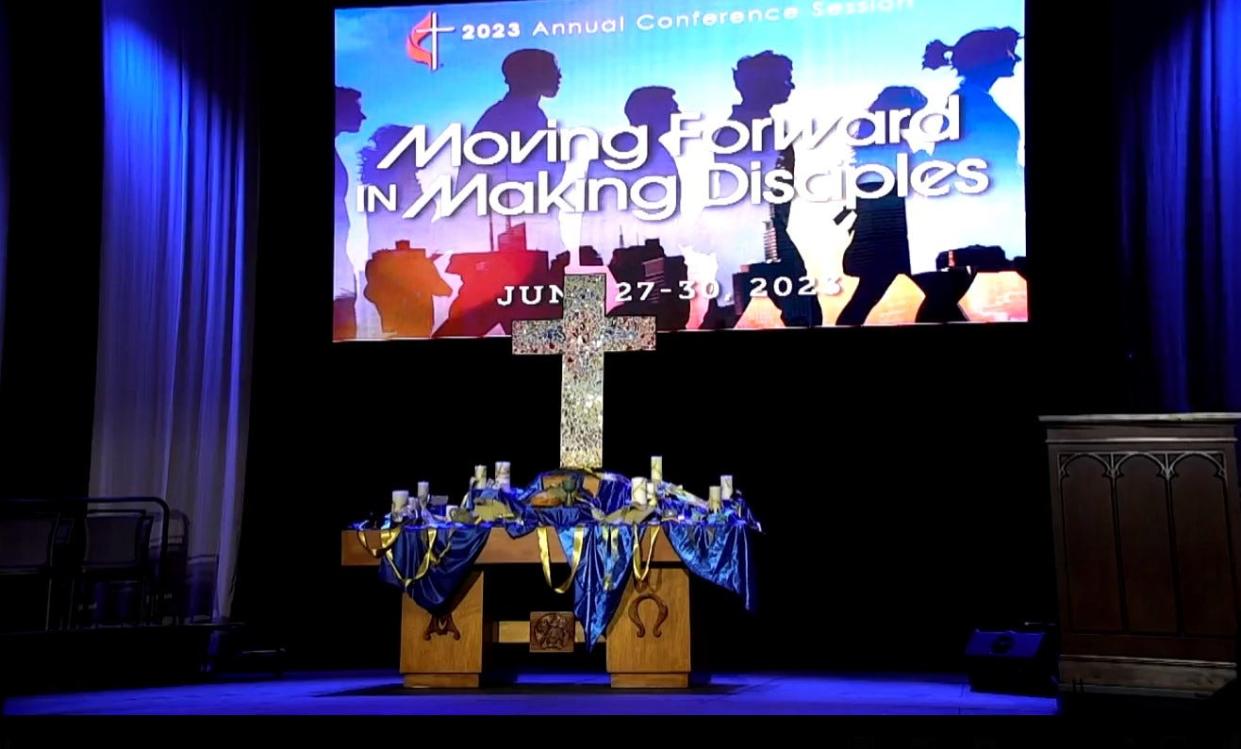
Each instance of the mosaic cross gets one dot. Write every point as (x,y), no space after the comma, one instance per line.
(581,337)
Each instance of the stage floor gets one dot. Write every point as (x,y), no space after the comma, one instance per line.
(573,694)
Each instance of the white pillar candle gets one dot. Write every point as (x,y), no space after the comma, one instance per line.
(480,476)
(657,469)
(714,504)
(637,492)
(399,500)
(726,487)
(504,474)
(420,503)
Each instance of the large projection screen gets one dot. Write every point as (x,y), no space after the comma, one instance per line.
(730,165)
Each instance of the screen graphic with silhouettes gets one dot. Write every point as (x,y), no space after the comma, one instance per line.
(727,165)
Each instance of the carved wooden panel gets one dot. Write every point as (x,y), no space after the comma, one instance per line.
(552,631)
(1147,522)
(651,630)
(451,643)
(1200,502)
(1145,551)
(1090,545)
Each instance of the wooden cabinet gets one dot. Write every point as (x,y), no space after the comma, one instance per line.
(1147,527)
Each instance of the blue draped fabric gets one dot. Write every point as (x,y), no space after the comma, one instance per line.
(614,493)
(604,566)
(715,547)
(601,576)
(554,517)
(1181,201)
(455,549)
(719,553)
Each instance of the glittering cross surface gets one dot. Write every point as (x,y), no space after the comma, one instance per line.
(582,336)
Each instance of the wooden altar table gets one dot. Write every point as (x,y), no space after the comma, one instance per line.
(647,643)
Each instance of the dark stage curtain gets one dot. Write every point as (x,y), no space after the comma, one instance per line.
(179,178)
(4,162)
(1180,173)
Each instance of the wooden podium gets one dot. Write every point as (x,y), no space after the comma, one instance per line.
(648,641)
(1147,526)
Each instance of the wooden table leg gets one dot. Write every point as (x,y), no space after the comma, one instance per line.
(648,641)
(444,652)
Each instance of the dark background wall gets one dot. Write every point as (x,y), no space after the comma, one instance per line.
(898,472)
(47,374)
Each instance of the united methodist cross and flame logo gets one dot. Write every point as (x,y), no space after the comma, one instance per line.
(414,43)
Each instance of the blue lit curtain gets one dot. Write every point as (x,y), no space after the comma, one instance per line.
(177,269)
(1180,132)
